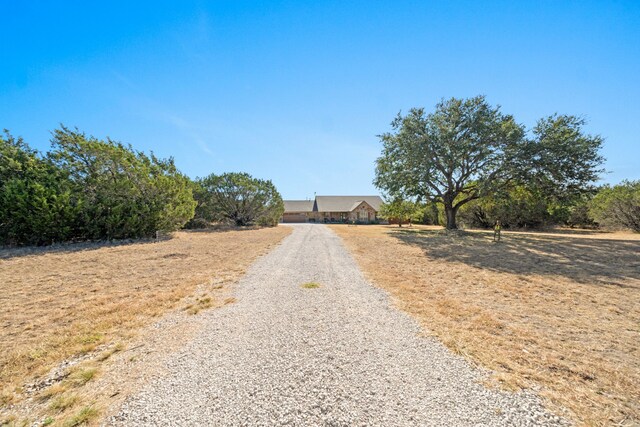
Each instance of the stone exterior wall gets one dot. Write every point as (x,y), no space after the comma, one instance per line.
(363,213)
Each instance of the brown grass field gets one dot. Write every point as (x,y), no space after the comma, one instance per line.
(555,311)
(63,302)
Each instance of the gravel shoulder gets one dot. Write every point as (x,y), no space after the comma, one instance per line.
(336,355)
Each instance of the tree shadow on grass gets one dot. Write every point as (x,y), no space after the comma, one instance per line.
(73,247)
(69,247)
(223,229)
(605,262)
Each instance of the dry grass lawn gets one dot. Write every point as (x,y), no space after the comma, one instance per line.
(58,303)
(559,311)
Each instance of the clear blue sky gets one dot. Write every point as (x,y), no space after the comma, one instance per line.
(297,91)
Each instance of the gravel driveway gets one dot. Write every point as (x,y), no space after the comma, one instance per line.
(338,355)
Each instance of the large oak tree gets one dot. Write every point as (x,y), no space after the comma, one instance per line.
(467,149)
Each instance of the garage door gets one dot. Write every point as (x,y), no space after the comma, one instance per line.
(291,217)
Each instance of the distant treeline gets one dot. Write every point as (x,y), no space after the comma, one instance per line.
(612,207)
(90,189)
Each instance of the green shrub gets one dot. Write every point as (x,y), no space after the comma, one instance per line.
(618,206)
(238,198)
(518,207)
(37,205)
(87,189)
(124,193)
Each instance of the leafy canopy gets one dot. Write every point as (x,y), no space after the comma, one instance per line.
(87,189)
(618,206)
(123,193)
(401,211)
(36,204)
(561,160)
(456,154)
(467,149)
(238,198)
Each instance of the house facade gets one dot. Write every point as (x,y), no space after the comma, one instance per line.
(333,209)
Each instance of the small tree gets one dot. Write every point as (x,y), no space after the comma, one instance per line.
(238,198)
(400,210)
(618,206)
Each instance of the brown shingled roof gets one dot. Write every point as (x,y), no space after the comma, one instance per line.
(298,205)
(345,203)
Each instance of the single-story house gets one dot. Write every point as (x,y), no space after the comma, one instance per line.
(326,209)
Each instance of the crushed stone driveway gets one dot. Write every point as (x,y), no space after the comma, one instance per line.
(337,355)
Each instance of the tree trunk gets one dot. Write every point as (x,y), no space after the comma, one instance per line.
(436,214)
(450,213)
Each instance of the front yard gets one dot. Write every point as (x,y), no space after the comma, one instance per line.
(550,310)
(88,298)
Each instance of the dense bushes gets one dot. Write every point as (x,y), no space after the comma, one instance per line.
(516,207)
(618,206)
(237,198)
(122,193)
(87,189)
(37,204)
(91,189)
